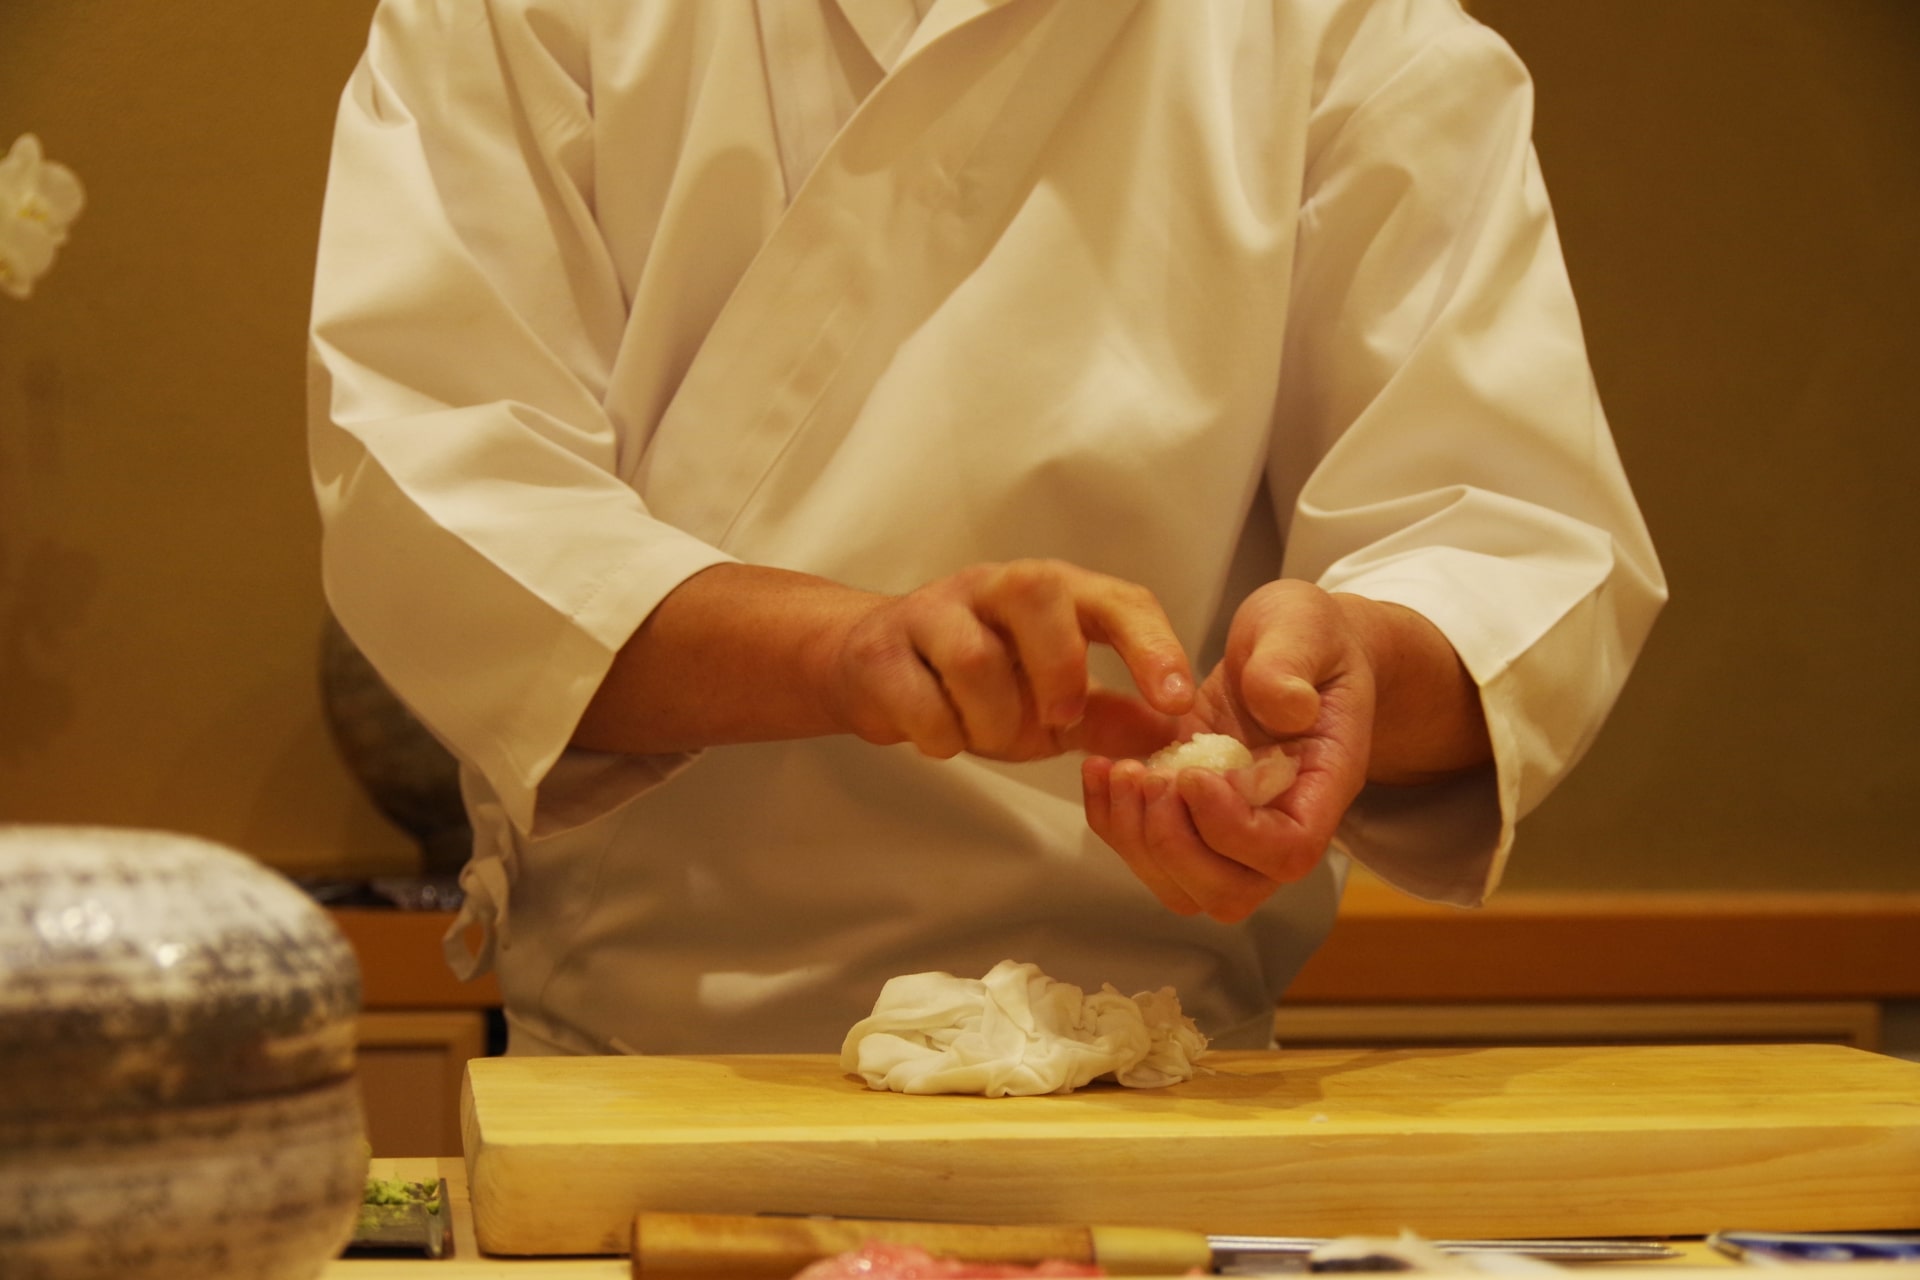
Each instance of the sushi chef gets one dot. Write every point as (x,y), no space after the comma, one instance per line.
(799,455)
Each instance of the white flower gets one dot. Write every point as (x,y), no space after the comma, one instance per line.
(37,202)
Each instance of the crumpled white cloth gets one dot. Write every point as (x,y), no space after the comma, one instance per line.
(1018,1032)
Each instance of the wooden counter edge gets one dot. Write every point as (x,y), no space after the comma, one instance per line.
(1618,946)
(1387,948)
(1696,1261)
(402,965)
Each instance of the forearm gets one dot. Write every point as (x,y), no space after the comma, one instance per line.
(736,653)
(1428,722)
(990,659)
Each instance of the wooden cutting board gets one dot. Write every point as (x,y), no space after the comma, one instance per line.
(1500,1142)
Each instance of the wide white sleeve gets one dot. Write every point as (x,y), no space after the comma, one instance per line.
(478,544)
(1440,441)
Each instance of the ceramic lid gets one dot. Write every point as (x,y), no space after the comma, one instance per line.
(142,969)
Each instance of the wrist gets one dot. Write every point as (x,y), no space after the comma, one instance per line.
(825,652)
(1427,719)
(1375,627)
(736,653)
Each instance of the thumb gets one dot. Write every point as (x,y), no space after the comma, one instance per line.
(1275,690)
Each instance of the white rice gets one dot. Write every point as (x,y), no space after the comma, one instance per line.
(1203,751)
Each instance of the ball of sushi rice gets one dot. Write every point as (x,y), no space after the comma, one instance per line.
(1257,781)
(1203,751)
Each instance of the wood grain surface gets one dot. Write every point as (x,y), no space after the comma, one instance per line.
(1654,1140)
(1387,947)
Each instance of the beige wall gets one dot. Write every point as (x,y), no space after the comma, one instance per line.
(1738,185)
(1739,188)
(159,608)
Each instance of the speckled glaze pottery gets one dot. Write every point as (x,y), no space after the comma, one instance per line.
(176,1063)
(408,775)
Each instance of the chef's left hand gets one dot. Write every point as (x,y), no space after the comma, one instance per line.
(1353,689)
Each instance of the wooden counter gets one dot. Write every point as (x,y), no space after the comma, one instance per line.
(1696,1261)
(1618,946)
(466,1261)
(1533,968)
(1452,1143)
(1387,948)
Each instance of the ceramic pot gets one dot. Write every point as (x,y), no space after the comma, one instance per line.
(409,776)
(177,1052)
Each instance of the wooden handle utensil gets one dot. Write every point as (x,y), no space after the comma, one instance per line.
(708,1246)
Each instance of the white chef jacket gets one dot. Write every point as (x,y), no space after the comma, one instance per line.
(1193,292)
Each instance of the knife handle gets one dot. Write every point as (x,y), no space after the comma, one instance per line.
(703,1246)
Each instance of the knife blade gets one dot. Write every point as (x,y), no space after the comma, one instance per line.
(701,1246)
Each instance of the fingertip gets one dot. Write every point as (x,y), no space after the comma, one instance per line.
(1065,713)
(1286,706)
(1267,778)
(1232,912)
(1196,784)
(943,742)
(1094,798)
(1176,693)
(1160,671)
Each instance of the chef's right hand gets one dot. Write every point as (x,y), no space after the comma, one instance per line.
(992,660)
